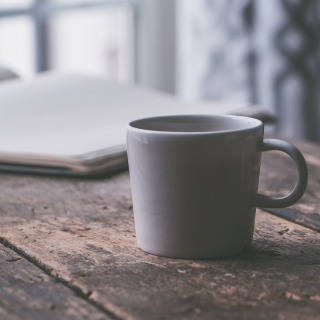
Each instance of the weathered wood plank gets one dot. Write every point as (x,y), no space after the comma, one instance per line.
(82,233)
(28,293)
(278,178)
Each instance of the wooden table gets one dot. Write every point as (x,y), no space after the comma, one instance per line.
(68,251)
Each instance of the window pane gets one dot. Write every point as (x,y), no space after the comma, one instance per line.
(16,45)
(93,41)
(11,4)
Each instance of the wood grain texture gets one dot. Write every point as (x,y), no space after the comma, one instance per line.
(28,293)
(278,177)
(82,234)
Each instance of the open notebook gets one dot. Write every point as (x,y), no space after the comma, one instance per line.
(75,125)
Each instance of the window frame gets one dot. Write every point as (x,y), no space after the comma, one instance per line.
(40,12)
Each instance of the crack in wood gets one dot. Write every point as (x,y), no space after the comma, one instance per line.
(13,259)
(296,217)
(50,272)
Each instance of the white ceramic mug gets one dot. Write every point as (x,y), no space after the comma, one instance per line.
(194,183)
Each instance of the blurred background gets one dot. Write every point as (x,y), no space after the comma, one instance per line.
(264,52)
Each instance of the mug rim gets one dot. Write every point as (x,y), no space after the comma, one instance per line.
(256,124)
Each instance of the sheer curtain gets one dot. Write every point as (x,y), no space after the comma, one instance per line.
(261,51)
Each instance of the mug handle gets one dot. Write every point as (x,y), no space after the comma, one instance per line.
(260,200)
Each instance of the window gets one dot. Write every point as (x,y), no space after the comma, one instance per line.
(96,36)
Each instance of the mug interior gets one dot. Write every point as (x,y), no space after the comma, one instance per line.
(196,123)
